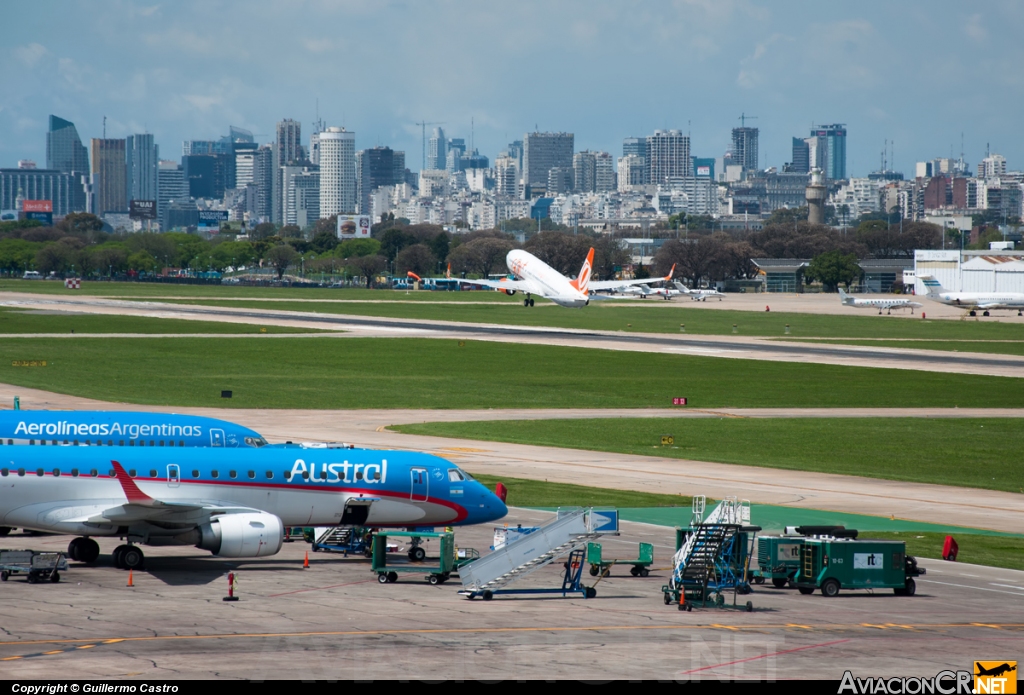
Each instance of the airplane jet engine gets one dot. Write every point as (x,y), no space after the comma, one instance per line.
(242,535)
(509,292)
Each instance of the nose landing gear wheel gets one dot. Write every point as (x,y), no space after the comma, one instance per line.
(417,554)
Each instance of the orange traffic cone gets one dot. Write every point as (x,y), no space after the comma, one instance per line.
(305,562)
(130,578)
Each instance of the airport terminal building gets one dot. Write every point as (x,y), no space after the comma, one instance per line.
(971,271)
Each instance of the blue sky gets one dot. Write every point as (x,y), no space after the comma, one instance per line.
(916,73)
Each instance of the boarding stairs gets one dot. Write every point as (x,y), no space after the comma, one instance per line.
(570,531)
(695,561)
(333,535)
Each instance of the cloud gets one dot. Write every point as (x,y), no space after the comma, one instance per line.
(318,45)
(30,54)
(974,29)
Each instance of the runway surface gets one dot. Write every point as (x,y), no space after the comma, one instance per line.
(998,511)
(737,347)
(335,621)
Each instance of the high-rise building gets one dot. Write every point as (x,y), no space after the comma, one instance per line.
(64,150)
(141,158)
(244,162)
(437,150)
(506,176)
(604,172)
(831,139)
(301,195)
(287,149)
(260,196)
(584,168)
(668,156)
(314,142)
(632,172)
(376,167)
(515,151)
(64,190)
(207,174)
(171,187)
(560,180)
(109,176)
(544,151)
(744,148)
(801,156)
(992,166)
(634,146)
(337,172)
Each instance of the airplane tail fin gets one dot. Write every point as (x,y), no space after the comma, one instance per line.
(448,273)
(843,297)
(670,273)
(931,285)
(582,282)
(681,287)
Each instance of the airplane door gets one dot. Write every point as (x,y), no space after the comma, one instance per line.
(173,475)
(217,437)
(419,484)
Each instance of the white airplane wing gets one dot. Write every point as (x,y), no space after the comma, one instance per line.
(991,305)
(503,284)
(596,285)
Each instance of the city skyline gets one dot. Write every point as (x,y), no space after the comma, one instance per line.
(193,72)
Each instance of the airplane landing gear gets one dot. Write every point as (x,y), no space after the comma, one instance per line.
(128,557)
(984,313)
(84,550)
(972,312)
(528,301)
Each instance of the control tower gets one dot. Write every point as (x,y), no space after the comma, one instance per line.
(815,195)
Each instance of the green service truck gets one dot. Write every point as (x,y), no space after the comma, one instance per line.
(778,559)
(831,564)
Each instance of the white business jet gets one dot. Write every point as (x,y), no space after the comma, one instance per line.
(535,277)
(698,295)
(887,304)
(973,300)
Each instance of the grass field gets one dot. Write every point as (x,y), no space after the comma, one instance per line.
(429,373)
(1003,347)
(962,452)
(655,317)
(994,551)
(21,321)
(536,493)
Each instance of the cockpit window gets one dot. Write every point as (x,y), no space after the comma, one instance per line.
(255,441)
(455,475)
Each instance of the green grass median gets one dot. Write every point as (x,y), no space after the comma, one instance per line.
(30,321)
(978,453)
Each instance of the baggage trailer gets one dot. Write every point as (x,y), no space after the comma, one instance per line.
(37,566)
(640,566)
(831,564)
(436,573)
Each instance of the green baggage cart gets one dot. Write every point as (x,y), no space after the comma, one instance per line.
(437,570)
(640,566)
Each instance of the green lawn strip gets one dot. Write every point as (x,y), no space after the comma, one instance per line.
(542,494)
(966,452)
(994,551)
(433,373)
(142,290)
(23,321)
(1001,347)
(656,317)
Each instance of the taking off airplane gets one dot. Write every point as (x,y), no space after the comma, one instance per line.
(535,277)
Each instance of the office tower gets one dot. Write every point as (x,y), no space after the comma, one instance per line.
(64,150)
(744,148)
(314,142)
(543,152)
(668,156)
(337,172)
(198,147)
(830,142)
(584,169)
(244,163)
(301,195)
(472,160)
(560,180)
(207,174)
(287,149)
(437,150)
(64,190)
(634,146)
(632,172)
(262,183)
(141,158)
(604,173)
(171,187)
(108,176)
(376,167)
(515,151)
(801,156)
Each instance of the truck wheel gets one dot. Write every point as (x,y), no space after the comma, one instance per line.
(806,591)
(757,580)
(911,588)
(830,588)
(4,576)
(779,582)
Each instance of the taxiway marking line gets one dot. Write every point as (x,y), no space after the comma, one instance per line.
(765,656)
(976,588)
(486,630)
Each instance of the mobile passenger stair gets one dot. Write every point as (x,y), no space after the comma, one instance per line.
(341,539)
(568,535)
(714,558)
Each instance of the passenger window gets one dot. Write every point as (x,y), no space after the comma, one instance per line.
(270,474)
(112,473)
(131,442)
(376,475)
(76,442)
(21,472)
(40,472)
(287,475)
(214,474)
(99,442)
(74,472)
(152,473)
(31,442)
(359,475)
(4,472)
(305,475)
(181,443)
(131,473)
(233,474)
(454,476)
(110,442)
(195,474)
(56,472)
(170,442)
(252,474)
(94,472)
(151,443)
